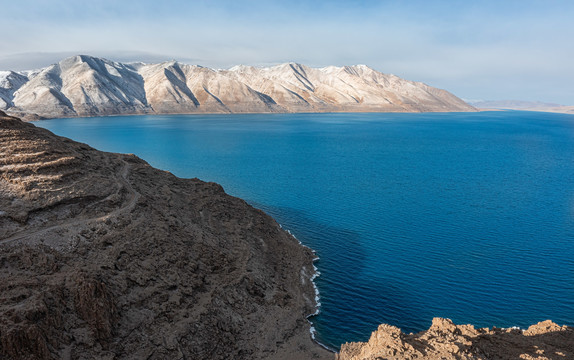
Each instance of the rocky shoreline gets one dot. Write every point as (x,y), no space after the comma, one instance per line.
(103,256)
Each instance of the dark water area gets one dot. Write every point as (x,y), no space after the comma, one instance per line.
(468,216)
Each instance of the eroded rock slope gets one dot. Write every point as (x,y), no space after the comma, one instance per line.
(103,256)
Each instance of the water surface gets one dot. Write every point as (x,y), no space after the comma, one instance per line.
(468,216)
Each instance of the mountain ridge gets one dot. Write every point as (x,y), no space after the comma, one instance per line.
(84,85)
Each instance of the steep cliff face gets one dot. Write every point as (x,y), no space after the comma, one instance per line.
(102,256)
(445,340)
(88,86)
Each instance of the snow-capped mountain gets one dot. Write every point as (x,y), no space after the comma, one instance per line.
(88,86)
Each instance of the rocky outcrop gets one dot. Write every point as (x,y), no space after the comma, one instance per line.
(445,340)
(88,86)
(103,256)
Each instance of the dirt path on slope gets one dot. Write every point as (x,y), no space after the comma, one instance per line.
(123,182)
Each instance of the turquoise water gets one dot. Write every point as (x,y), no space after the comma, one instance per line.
(468,216)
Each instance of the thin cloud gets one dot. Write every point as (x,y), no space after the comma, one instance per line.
(469,48)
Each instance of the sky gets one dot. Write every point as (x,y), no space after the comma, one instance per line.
(488,50)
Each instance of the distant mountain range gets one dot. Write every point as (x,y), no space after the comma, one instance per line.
(88,86)
(521,105)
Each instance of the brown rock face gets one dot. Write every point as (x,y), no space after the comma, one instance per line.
(445,340)
(102,256)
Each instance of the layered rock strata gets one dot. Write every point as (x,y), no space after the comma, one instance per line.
(103,256)
(88,86)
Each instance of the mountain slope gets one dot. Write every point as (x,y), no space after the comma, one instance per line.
(82,86)
(88,86)
(348,88)
(103,256)
(9,83)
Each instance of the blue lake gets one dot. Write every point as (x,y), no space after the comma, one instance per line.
(468,216)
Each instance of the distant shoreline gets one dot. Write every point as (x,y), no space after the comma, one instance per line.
(36,117)
(560,110)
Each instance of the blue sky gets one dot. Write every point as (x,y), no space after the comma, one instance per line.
(502,49)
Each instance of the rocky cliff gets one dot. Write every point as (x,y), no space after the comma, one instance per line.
(447,341)
(88,86)
(105,257)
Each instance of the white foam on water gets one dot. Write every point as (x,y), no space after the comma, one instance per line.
(513,328)
(316,274)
